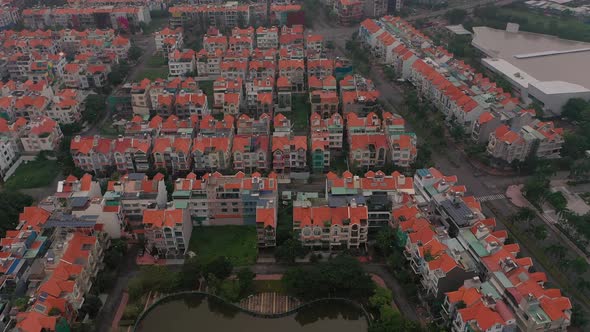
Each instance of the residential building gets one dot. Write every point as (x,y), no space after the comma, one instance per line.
(251,152)
(172,154)
(41,134)
(192,104)
(182,62)
(289,153)
(251,126)
(348,11)
(132,154)
(324,102)
(284,95)
(168,231)
(168,40)
(325,227)
(368,151)
(211,153)
(134,193)
(92,153)
(267,38)
(332,128)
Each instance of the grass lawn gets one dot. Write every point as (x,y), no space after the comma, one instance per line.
(107,129)
(156,61)
(299,116)
(237,243)
(34,174)
(268,286)
(156,24)
(153,73)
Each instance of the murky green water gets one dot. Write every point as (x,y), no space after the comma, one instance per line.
(200,313)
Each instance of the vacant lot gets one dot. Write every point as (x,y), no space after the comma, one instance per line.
(34,174)
(237,243)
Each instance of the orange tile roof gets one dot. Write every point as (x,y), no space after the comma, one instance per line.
(469,296)
(310,216)
(163,218)
(285,143)
(266,216)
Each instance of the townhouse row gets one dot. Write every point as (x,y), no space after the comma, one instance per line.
(118,17)
(465,97)
(231,14)
(464,261)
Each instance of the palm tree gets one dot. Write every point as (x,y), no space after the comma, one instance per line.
(540,232)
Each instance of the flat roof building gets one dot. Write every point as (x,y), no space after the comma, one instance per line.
(541,68)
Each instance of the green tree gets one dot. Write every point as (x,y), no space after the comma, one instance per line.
(135,52)
(540,232)
(95,106)
(579,265)
(381,296)
(384,241)
(220,267)
(12,204)
(341,276)
(246,280)
(289,251)
(191,273)
(92,305)
(456,16)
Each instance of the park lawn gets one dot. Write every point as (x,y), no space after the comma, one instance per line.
(299,116)
(237,243)
(268,286)
(153,73)
(156,24)
(34,174)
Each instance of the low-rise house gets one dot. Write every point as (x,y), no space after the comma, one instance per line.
(331,128)
(324,102)
(261,69)
(168,40)
(368,151)
(231,70)
(140,97)
(214,42)
(284,96)
(320,153)
(92,153)
(251,126)
(65,107)
(281,125)
(348,11)
(320,68)
(211,153)
(483,127)
(132,154)
(41,134)
(210,127)
(134,193)
(168,231)
(267,38)
(266,225)
(294,71)
(172,154)
(191,103)
(358,95)
(251,152)
(289,153)
(325,227)
(182,62)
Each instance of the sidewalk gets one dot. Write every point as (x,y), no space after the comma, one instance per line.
(120,311)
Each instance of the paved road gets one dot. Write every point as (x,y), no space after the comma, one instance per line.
(148,44)
(106,316)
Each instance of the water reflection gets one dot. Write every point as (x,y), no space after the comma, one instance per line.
(198,312)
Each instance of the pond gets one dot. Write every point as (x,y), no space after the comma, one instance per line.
(197,312)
